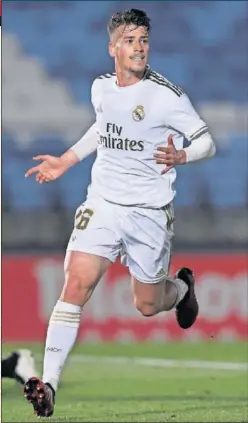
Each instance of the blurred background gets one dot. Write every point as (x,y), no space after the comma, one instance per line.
(51,53)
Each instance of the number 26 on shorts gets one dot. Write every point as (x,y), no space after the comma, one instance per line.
(82,218)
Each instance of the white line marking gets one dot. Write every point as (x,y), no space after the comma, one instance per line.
(158,362)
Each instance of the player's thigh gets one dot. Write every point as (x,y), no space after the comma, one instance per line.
(92,247)
(95,230)
(83,271)
(148,244)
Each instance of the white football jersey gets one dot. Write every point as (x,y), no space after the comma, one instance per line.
(131,122)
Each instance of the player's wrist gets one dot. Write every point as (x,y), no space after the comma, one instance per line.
(181,157)
(69,159)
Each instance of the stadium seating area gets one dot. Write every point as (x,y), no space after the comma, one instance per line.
(221,182)
(200,45)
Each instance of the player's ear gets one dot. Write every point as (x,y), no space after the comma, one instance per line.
(112,49)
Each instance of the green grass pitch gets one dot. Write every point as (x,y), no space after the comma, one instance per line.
(107,390)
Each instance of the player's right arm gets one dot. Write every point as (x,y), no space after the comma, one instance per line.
(53,167)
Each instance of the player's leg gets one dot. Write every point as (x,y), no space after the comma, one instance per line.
(92,248)
(148,244)
(82,273)
(179,293)
(19,365)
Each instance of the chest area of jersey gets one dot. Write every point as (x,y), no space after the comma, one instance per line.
(125,116)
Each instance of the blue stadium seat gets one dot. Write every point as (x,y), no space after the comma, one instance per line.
(238,147)
(9,146)
(174,66)
(227,179)
(199,46)
(47,144)
(25,193)
(188,186)
(72,187)
(184,50)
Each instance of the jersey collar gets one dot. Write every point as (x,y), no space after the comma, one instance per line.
(145,76)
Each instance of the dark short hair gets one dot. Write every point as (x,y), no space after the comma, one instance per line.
(129,17)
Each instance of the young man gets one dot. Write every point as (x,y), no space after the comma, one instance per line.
(19,365)
(128,211)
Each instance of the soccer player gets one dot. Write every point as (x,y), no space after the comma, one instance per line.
(19,365)
(141,119)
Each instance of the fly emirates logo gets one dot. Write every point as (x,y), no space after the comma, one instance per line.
(114,139)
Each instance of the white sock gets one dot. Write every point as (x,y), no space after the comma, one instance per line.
(61,336)
(182,289)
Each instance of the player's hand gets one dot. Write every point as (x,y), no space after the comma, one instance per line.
(50,169)
(169,155)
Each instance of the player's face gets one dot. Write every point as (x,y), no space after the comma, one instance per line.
(130,47)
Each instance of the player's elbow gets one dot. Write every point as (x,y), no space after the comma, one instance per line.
(208,146)
(212,149)
(201,148)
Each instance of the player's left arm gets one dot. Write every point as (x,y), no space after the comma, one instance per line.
(183,118)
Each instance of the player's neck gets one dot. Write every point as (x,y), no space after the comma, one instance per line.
(125,77)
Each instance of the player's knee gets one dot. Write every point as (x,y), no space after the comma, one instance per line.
(72,291)
(147,309)
(77,289)
(82,273)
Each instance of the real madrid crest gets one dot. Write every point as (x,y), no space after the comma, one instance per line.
(138,113)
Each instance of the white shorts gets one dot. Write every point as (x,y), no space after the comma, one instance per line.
(140,236)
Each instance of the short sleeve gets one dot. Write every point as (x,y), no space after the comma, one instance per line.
(181,116)
(94,94)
